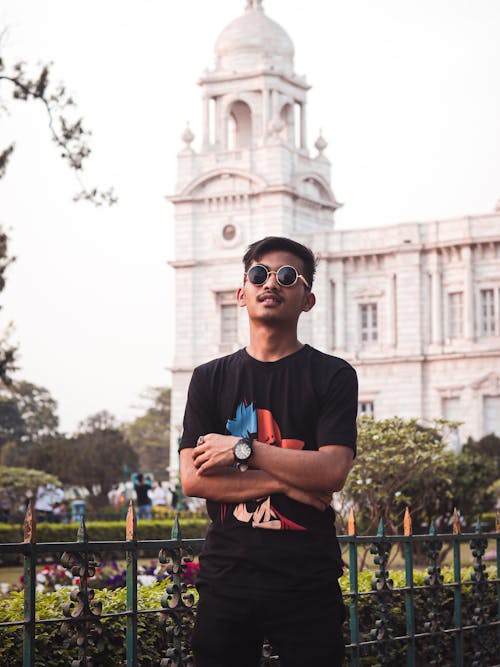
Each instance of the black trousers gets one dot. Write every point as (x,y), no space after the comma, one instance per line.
(229,632)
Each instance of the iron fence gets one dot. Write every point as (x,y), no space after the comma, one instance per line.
(436,621)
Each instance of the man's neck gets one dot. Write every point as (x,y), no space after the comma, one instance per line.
(270,345)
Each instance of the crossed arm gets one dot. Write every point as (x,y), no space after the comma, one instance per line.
(306,476)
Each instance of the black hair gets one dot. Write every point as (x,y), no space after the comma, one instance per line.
(271,243)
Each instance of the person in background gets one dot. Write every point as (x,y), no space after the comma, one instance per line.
(143,499)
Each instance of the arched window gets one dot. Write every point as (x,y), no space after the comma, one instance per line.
(239,126)
(288,130)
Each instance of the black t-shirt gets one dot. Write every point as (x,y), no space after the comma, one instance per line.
(272,546)
(142,491)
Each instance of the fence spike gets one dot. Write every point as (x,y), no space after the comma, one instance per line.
(497,527)
(351,523)
(380,531)
(477,525)
(82,535)
(30,523)
(457,528)
(432,528)
(176,529)
(408,528)
(131,523)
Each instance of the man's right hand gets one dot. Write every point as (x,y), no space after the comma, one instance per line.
(318,499)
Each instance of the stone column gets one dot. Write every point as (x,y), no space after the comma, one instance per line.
(206,122)
(303,126)
(437,303)
(391,328)
(469,328)
(340,314)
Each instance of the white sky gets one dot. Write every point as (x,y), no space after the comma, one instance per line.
(407,93)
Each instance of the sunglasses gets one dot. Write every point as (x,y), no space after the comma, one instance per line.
(286,276)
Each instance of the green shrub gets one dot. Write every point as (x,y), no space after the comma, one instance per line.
(152,638)
(107,531)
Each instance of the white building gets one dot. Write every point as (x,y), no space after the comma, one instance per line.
(414,307)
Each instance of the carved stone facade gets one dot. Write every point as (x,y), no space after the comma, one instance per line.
(414,307)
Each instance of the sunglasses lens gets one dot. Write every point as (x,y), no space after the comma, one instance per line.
(287,276)
(257,275)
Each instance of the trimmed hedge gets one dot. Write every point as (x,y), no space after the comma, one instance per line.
(107,530)
(50,649)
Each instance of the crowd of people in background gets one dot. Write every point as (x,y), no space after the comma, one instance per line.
(56,505)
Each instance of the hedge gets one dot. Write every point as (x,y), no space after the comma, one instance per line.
(50,647)
(106,531)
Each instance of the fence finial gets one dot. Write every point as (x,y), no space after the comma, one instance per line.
(380,531)
(407,525)
(176,529)
(497,527)
(82,535)
(30,523)
(456,527)
(131,523)
(432,528)
(351,523)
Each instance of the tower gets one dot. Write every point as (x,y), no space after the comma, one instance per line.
(253,176)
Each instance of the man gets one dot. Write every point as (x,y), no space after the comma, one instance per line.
(269,435)
(142,490)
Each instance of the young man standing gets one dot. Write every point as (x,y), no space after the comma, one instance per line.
(269,435)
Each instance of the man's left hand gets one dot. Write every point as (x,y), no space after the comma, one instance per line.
(214,451)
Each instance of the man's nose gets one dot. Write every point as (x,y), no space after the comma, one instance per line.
(271,280)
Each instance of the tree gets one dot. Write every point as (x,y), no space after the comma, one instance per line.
(473,477)
(94,459)
(149,434)
(489,447)
(400,464)
(66,128)
(12,429)
(98,422)
(38,409)
(68,133)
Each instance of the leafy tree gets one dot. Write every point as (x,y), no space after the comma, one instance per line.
(38,409)
(473,476)
(98,422)
(149,434)
(489,447)
(66,128)
(94,459)
(400,464)
(12,429)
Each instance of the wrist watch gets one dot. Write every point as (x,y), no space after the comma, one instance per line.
(242,451)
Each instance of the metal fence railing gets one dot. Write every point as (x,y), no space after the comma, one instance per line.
(416,618)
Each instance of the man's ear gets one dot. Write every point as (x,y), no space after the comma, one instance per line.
(309,301)
(241,297)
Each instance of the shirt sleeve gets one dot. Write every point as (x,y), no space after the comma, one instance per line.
(339,407)
(200,413)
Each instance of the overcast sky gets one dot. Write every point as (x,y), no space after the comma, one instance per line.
(407,94)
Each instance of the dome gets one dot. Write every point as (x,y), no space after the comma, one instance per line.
(252,41)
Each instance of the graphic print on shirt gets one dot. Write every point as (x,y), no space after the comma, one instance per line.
(258,423)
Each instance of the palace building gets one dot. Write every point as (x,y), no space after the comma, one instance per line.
(414,307)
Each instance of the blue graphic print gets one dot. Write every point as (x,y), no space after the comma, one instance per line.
(244,423)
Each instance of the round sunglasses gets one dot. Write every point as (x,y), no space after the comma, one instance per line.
(286,276)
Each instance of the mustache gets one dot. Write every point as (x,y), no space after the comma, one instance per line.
(269,293)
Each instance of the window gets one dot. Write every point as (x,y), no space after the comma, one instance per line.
(368,322)
(228,310)
(366,408)
(451,412)
(492,414)
(487,312)
(455,314)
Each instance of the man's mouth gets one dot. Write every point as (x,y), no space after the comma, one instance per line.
(270,298)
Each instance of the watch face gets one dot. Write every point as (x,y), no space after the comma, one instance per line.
(242,451)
